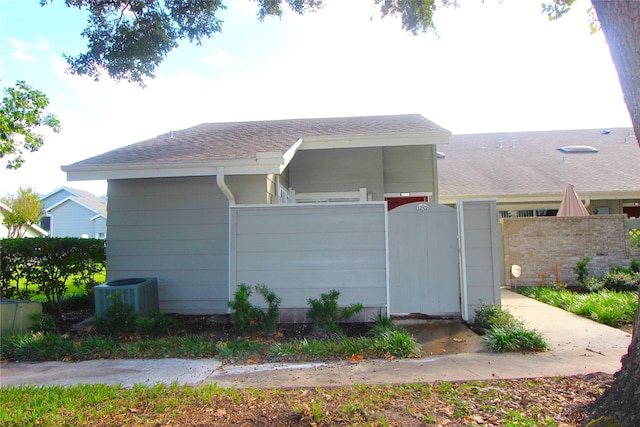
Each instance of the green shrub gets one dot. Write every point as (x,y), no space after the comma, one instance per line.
(158,324)
(621,281)
(492,315)
(325,314)
(250,318)
(515,338)
(118,317)
(43,323)
(503,332)
(47,263)
(582,270)
(593,284)
(392,339)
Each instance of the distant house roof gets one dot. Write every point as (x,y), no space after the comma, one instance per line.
(528,165)
(90,201)
(252,147)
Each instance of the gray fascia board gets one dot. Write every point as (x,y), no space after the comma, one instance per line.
(161,170)
(380,140)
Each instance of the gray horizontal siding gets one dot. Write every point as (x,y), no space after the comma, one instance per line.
(337,170)
(301,251)
(409,169)
(175,229)
(71,220)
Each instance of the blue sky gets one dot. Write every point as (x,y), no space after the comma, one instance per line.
(494,67)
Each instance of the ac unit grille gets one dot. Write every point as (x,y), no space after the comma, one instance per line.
(140,294)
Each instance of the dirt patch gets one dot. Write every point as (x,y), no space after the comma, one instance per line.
(443,336)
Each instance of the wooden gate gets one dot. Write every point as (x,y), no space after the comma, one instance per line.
(423,260)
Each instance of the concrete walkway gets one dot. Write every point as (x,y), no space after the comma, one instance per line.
(578,346)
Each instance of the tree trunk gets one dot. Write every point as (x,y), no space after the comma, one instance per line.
(620,21)
(621,402)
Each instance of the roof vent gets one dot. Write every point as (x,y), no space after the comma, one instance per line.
(606,132)
(500,144)
(578,149)
(170,134)
(513,143)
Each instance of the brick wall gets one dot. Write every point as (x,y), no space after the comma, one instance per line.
(553,245)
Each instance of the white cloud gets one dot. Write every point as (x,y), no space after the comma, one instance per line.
(23,49)
(220,58)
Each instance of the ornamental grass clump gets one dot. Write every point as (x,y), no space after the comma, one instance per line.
(504,332)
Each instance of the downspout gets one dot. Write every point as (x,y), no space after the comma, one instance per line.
(223,186)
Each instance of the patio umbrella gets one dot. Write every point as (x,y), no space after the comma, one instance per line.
(571,204)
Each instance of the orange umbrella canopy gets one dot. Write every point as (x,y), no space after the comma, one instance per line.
(571,204)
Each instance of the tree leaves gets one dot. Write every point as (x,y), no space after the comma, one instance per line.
(129,38)
(23,111)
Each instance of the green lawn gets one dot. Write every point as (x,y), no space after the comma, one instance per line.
(608,307)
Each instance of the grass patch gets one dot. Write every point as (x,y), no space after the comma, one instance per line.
(608,307)
(383,341)
(515,402)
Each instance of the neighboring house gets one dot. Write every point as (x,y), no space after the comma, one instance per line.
(74,213)
(300,205)
(527,172)
(32,231)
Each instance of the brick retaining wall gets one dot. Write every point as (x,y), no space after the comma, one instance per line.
(551,246)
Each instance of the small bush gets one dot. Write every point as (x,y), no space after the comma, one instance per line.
(593,284)
(491,315)
(118,317)
(582,270)
(158,324)
(515,338)
(503,332)
(250,318)
(325,314)
(621,281)
(43,323)
(392,339)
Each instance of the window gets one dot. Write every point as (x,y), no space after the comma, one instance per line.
(285,197)
(45,223)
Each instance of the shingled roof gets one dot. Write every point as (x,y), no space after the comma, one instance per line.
(257,147)
(529,164)
(242,140)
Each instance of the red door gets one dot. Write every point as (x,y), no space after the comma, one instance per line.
(632,211)
(394,202)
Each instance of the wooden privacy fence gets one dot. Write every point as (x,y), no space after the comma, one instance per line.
(548,248)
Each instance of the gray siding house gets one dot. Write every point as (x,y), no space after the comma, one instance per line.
(300,205)
(74,213)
